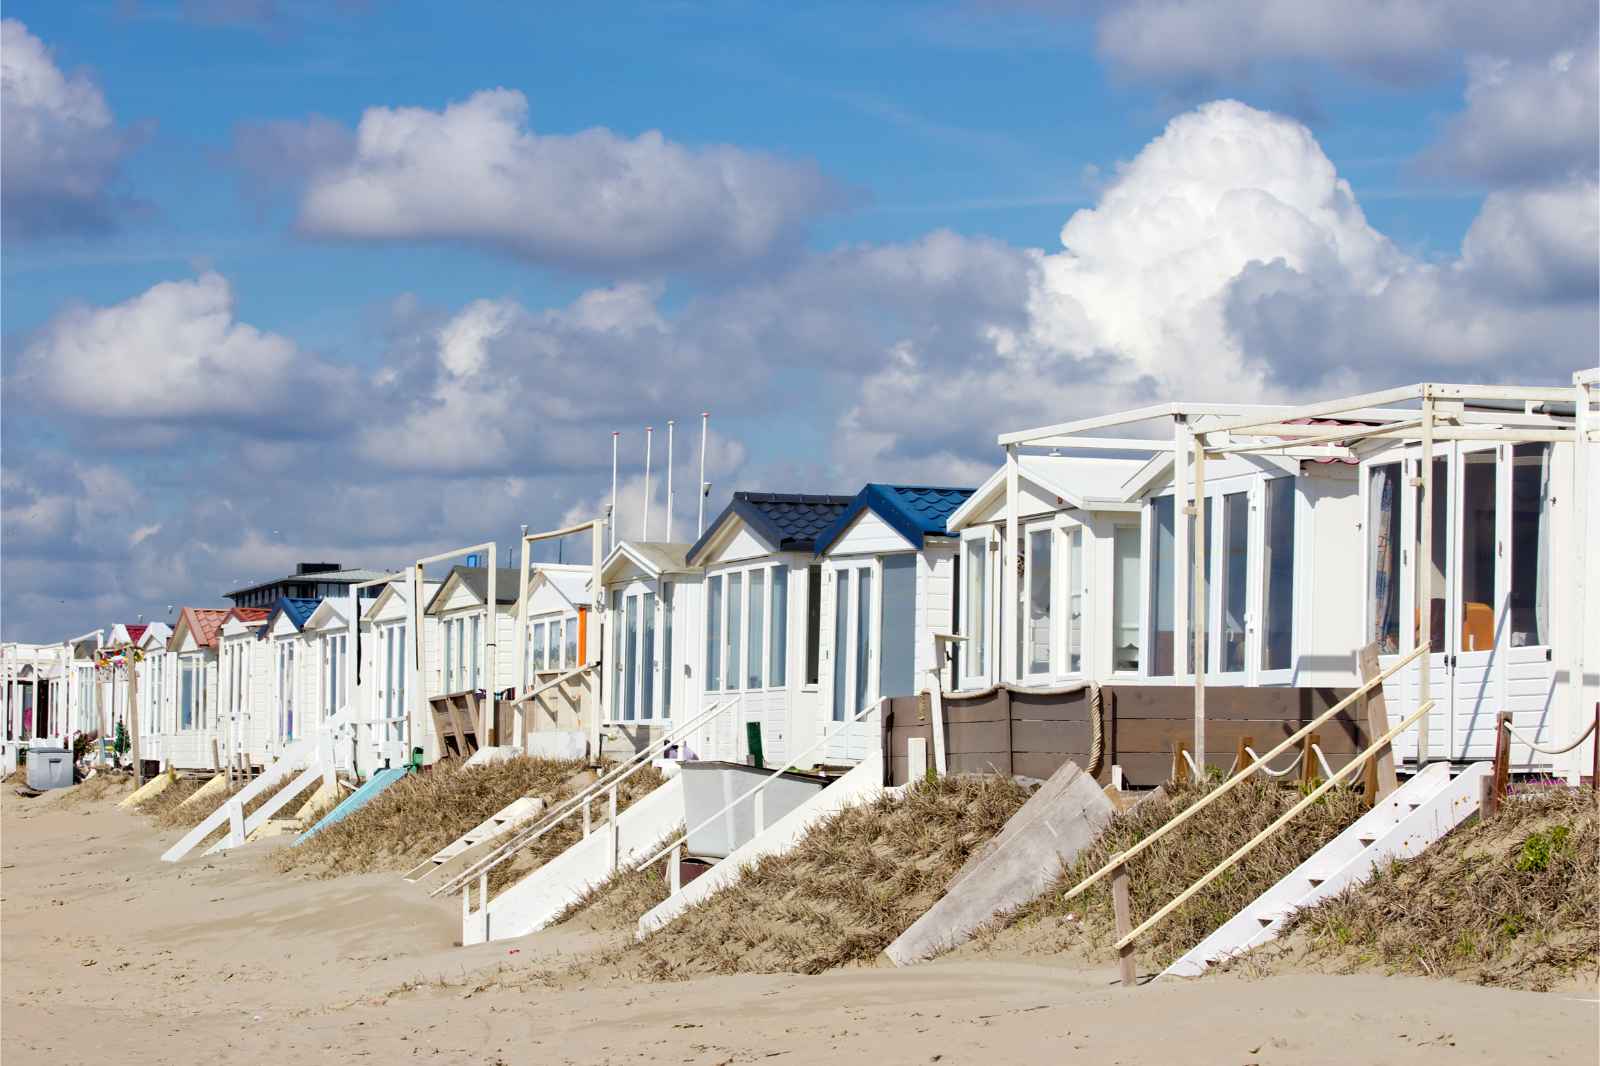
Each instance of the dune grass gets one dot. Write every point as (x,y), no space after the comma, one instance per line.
(1510,901)
(852,884)
(621,900)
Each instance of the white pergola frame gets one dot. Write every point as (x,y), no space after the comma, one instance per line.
(486,721)
(1423,414)
(596,527)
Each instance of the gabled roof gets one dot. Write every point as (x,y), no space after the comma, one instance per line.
(571,584)
(507,583)
(153,634)
(1075,480)
(296,608)
(787,520)
(204,622)
(913,511)
(135,630)
(330,610)
(249,617)
(653,557)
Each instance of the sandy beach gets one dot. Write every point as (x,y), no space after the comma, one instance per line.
(108,953)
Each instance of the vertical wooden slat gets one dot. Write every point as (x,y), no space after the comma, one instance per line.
(1379,769)
(1122,905)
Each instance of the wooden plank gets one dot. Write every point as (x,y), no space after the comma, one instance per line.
(1376,715)
(970,737)
(1502,763)
(1070,708)
(1308,759)
(1175,701)
(1029,736)
(1122,906)
(1340,735)
(1042,765)
(998,762)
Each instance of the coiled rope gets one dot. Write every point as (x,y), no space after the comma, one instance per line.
(1097,731)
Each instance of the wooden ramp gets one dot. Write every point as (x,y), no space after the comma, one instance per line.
(458,853)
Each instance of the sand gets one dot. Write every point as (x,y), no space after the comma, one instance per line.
(108,954)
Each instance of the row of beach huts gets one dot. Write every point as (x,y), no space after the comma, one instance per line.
(1448,528)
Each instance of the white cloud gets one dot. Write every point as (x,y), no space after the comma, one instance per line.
(1394,40)
(476,173)
(177,353)
(63,149)
(1533,121)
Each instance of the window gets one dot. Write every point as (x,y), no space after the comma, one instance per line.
(714,633)
(758,615)
(1074,538)
(1437,582)
(449,658)
(863,638)
(647,655)
(841,633)
(553,647)
(668,595)
(629,657)
(977,605)
(1235,580)
(188,695)
(778,658)
(897,655)
(536,648)
(570,656)
(1530,545)
(1126,646)
(735,601)
(1040,637)
(1477,549)
(1277,599)
(1383,538)
(615,623)
(476,676)
(813,624)
(1163,590)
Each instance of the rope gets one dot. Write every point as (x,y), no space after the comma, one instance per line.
(1193,769)
(1097,731)
(1549,751)
(1327,771)
(1269,771)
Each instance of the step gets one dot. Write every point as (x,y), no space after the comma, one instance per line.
(861,785)
(1333,866)
(536,900)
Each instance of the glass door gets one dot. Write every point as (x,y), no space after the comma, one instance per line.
(634,673)
(1475,603)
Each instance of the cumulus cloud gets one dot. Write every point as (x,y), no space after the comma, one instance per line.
(476,173)
(1523,122)
(1185,41)
(176,353)
(63,149)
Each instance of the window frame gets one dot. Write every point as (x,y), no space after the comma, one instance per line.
(988,610)
(735,676)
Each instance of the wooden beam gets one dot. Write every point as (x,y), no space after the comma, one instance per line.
(1325,408)
(1122,907)
(1375,712)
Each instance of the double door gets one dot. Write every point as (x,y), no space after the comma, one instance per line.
(1480,597)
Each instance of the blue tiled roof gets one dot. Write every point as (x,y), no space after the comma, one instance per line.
(298,608)
(914,511)
(788,520)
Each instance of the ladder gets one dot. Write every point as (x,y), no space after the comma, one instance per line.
(1401,826)
(507,818)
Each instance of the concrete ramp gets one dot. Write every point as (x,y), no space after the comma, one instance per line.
(1066,815)
(861,785)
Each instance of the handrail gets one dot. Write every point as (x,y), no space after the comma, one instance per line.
(790,765)
(1217,793)
(1255,841)
(610,779)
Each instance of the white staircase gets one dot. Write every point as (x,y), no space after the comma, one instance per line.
(1402,826)
(313,757)
(536,900)
(501,822)
(861,785)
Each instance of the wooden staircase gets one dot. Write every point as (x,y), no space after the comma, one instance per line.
(472,844)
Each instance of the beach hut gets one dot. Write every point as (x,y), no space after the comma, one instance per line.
(292,699)
(193,737)
(762,630)
(244,688)
(887,584)
(155,665)
(456,663)
(652,622)
(389,678)
(561,638)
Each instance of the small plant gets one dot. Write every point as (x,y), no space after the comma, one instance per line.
(1542,846)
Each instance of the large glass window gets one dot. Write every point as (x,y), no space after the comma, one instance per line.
(668,681)
(617,667)
(897,654)
(1436,581)
(449,658)
(735,626)
(1075,618)
(714,633)
(841,634)
(1477,549)
(1530,545)
(186,695)
(476,675)
(647,656)
(1383,553)
(629,655)
(813,623)
(1126,592)
(1040,626)
(863,637)
(778,659)
(758,615)
(1235,580)
(1163,590)
(552,658)
(569,629)
(977,606)
(1277,599)
(536,647)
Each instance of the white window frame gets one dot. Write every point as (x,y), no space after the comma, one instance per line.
(616,600)
(543,624)
(741,675)
(1140,524)
(845,658)
(1259,674)
(989,609)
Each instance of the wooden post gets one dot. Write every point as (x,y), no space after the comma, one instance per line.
(1308,768)
(1197,601)
(1180,765)
(1424,577)
(133,716)
(1241,757)
(216,758)
(1502,761)
(1379,770)
(1594,748)
(1122,905)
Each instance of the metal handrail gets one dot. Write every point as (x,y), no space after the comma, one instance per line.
(1217,793)
(790,765)
(609,780)
(1254,842)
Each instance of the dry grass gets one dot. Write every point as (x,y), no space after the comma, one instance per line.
(1510,901)
(570,831)
(621,900)
(102,787)
(1087,925)
(421,813)
(843,894)
(164,804)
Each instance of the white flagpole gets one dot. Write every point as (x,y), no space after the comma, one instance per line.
(700,521)
(613,522)
(669,480)
(644,527)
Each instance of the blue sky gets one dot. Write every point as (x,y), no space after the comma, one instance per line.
(300,283)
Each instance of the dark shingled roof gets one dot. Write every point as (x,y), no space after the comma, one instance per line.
(298,608)
(789,521)
(914,511)
(507,583)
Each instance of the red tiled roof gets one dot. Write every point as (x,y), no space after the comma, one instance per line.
(136,630)
(204,622)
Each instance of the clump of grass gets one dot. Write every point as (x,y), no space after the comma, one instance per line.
(570,831)
(1087,923)
(423,812)
(1509,901)
(852,884)
(102,786)
(164,804)
(621,900)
